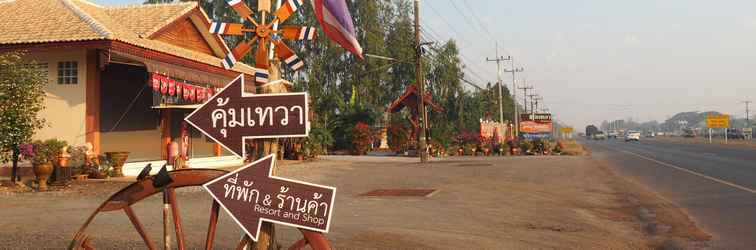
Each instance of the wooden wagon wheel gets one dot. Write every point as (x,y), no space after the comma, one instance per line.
(132,194)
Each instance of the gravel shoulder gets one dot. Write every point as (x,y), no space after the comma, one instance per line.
(480,203)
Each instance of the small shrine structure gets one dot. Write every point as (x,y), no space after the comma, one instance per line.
(409,99)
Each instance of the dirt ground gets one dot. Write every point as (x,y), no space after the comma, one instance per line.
(481,203)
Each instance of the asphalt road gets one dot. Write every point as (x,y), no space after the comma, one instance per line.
(715,184)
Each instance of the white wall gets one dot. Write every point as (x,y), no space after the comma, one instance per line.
(65,104)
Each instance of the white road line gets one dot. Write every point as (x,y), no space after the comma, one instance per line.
(692,172)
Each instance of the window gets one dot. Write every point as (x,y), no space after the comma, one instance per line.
(68,72)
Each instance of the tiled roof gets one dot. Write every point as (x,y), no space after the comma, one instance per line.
(40,21)
(146,19)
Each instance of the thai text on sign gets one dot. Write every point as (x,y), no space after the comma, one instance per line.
(252,195)
(231,116)
(718,121)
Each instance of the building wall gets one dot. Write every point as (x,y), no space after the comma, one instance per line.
(64,103)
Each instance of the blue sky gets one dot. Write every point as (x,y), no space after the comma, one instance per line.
(608,59)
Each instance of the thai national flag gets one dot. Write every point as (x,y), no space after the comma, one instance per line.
(229,61)
(261,75)
(336,22)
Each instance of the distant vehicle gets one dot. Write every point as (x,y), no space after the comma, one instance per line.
(689,133)
(590,130)
(660,133)
(735,134)
(632,136)
(650,134)
(600,135)
(612,134)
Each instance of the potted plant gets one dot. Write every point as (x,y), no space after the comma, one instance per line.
(41,156)
(60,149)
(117,159)
(103,168)
(77,160)
(61,173)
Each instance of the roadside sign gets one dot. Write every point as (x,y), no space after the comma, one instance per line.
(718,121)
(252,194)
(231,116)
(538,117)
(567,130)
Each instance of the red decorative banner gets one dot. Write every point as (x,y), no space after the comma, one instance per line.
(171,87)
(187,91)
(179,89)
(164,85)
(155,82)
(200,94)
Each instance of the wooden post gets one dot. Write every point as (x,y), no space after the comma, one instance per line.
(165,133)
(217,149)
(266,238)
(92,99)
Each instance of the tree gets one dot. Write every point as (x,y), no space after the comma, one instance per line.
(21,99)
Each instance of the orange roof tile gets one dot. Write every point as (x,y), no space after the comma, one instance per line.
(41,21)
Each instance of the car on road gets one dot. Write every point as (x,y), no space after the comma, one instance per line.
(632,136)
(650,134)
(612,134)
(600,135)
(735,134)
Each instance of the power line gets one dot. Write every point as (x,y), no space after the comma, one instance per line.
(447,23)
(462,59)
(467,20)
(483,26)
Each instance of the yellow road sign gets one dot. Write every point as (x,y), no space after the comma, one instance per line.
(567,130)
(718,121)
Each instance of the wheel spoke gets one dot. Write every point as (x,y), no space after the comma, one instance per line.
(213,224)
(243,242)
(176,218)
(316,240)
(140,229)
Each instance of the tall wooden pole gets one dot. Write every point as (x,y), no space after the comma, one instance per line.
(267,239)
(421,141)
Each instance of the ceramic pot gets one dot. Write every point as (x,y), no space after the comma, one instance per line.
(118,158)
(42,172)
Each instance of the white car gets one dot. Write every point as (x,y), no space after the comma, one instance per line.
(632,136)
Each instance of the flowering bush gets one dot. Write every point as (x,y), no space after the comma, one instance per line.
(39,152)
(362,137)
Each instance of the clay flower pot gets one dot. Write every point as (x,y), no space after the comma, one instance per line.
(62,161)
(42,172)
(118,158)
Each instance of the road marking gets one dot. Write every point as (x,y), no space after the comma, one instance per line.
(720,181)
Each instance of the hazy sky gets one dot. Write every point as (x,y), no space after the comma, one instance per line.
(601,59)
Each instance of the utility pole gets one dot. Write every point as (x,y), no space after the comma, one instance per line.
(748,119)
(525,95)
(498,80)
(748,112)
(532,101)
(514,96)
(536,102)
(421,143)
